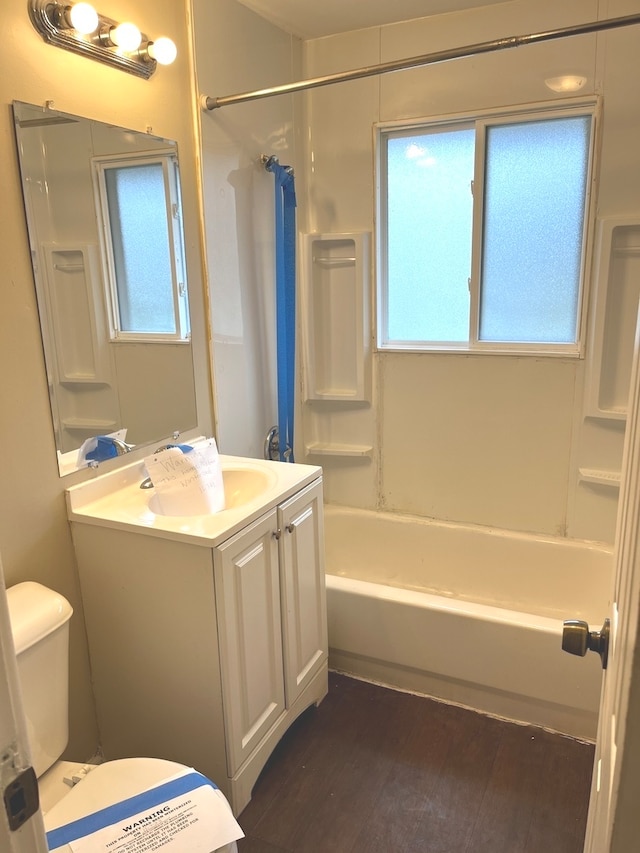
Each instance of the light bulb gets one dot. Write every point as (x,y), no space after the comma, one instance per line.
(163,50)
(566,83)
(126,36)
(83,18)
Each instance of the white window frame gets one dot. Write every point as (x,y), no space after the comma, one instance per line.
(170,169)
(508,115)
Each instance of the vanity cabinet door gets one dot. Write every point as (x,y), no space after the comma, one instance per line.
(247,589)
(304,613)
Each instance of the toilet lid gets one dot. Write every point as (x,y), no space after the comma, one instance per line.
(109,784)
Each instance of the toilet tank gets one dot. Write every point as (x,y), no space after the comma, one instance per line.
(40,626)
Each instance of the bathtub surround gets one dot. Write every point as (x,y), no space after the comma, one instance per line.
(238,211)
(503,442)
(480,439)
(496,440)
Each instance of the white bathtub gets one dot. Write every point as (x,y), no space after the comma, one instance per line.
(467,614)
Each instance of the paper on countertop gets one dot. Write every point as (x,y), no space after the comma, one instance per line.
(188,483)
(186,812)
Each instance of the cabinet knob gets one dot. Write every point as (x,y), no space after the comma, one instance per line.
(290,528)
(277,533)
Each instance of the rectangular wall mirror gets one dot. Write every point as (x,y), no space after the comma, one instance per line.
(104,220)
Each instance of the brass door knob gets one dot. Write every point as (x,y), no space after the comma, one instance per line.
(577,639)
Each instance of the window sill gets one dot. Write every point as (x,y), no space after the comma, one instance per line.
(568,352)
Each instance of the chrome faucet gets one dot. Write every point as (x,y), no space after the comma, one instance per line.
(121,446)
(147,483)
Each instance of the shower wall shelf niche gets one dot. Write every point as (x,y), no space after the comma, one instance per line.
(81,376)
(72,282)
(613,318)
(353,451)
(335,297)
(599,477)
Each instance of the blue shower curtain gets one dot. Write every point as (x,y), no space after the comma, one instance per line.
(285,228)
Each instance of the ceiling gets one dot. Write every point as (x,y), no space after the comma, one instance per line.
(309,19)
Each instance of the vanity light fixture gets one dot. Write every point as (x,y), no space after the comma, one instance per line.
(79,28)
(566,83)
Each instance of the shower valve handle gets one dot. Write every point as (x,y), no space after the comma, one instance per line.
(577,639)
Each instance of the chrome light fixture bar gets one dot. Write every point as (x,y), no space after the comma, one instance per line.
(54,22)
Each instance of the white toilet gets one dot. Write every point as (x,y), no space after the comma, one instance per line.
(69,792)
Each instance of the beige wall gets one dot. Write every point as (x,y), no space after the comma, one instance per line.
(480,439)
(35,540)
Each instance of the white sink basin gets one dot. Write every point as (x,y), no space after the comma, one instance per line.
(242,485)
(251,486)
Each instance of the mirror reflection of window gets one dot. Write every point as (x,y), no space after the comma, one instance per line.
(101,379)
(139,205)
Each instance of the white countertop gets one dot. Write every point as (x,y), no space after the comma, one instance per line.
(116,500)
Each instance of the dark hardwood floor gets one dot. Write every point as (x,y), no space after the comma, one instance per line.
(373,770)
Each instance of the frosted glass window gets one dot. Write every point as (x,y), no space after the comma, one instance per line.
(534,214)
(429,216)
(139,207)
(482,226)
(140,237)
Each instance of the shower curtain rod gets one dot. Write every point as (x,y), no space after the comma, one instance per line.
(210,103)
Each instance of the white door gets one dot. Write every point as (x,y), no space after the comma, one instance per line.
(612,825)
(28,837)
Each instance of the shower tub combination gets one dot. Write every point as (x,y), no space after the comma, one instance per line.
(466,614)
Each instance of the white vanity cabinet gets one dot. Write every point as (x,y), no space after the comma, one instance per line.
(205,652)
(304,611)
(247,581)
(272,626)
